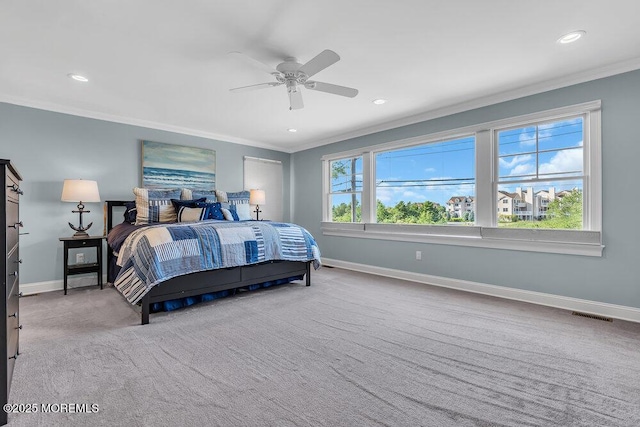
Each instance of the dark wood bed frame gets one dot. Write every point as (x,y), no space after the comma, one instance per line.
(214,280)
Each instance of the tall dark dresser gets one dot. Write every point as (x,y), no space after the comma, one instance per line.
(10,262)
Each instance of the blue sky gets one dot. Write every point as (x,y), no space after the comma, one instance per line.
(439,171)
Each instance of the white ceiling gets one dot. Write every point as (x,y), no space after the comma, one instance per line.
(165,63)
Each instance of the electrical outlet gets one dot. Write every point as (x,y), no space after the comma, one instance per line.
(418,255)
(80,258)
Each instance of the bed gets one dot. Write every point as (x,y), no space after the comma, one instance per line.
(218,276)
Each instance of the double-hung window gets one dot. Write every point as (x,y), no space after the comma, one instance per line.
(426,184)
(530,182)
(345,189)
(541,167)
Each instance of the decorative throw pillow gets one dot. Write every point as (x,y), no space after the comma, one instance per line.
(238,198)
(243,211)
(187,214)
(213,210)
(154,205)
(177,204)
(130,212)
(227,214)
(188,194)
(235,199)
(232,211)
(222,196)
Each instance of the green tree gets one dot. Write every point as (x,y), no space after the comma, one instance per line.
(565,212)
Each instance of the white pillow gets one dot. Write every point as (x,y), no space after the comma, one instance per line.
(244,212)
(186,214)
(227,214)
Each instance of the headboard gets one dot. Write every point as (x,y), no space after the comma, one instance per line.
(110,205)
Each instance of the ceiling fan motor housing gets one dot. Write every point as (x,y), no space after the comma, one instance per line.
(292,75)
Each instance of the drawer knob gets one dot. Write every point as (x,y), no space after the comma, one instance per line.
(19,294)
(16,225)
(19,327)
(15,189)
(15,273)
(18,261)
(15,356)
(14,315)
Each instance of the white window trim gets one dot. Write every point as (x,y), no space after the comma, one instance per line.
(485,233)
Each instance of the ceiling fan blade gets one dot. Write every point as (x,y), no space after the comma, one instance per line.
(334,89)
(295,100)
(254,87)
(254,62)
(320,62)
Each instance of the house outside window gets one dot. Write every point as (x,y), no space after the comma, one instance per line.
(414,185)
(543,165)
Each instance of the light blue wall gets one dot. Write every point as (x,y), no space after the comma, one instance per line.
(614,278)
(48,147)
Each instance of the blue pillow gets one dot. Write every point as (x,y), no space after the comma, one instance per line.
(177,204)
(234,213)
(232,210)
(213,210)
(130,212)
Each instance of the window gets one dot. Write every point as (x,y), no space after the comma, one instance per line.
(531,182)
(417,185)
(346,190)
(541,166)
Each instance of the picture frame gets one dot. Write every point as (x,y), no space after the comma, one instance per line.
(177,166)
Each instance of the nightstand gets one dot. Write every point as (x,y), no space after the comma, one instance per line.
(83,268)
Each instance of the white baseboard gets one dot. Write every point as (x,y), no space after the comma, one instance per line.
(58,285)
(622,312)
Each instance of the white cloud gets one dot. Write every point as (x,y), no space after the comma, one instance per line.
(515,160)
(563,161)
(524,169)
(430,170)
(527,138)
(390,195)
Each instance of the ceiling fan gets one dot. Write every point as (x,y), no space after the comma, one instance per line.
(294,75)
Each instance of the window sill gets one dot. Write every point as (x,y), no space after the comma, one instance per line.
(570,242)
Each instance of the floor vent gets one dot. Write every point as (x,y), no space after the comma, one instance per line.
(592,316)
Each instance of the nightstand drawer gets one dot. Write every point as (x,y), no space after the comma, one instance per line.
(84,243)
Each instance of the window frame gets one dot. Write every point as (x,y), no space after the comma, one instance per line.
(484,233)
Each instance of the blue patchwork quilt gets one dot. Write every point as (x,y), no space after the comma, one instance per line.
(156,253)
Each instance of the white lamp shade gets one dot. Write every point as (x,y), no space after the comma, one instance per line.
(256,197)
(80,190)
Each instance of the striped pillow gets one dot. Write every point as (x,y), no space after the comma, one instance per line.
(188,194)
(153,206)
(186,214)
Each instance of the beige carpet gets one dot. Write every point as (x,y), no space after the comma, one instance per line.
(351,350)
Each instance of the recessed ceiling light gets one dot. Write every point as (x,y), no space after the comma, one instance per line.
(571,37)
(78,77)
(292,130)
(379,101)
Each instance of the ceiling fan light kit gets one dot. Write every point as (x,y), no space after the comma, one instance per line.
(294,75)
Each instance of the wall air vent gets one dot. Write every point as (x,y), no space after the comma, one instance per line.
(592,316)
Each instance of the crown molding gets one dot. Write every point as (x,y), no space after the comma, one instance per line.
(569,80)
(534,89)
(58,108)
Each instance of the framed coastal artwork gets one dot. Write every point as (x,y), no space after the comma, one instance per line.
(177,166)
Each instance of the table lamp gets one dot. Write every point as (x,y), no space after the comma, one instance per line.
(256,197)
(79,191)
